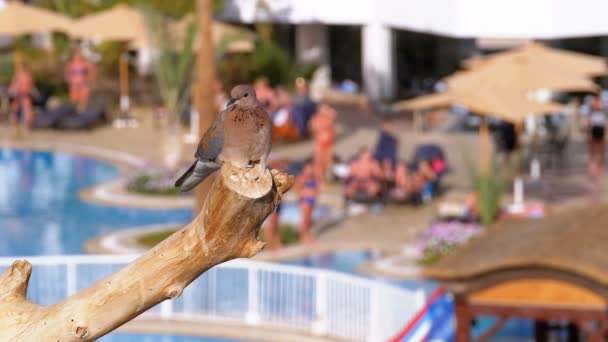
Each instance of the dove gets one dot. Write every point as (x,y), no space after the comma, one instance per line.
(241,134)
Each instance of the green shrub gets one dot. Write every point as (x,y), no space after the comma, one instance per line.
(151,184)
(289,234)
(152,239)
(490,187)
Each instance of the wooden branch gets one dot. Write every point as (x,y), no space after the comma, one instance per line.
(226,228)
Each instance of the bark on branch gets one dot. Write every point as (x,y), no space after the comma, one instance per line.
(225,229)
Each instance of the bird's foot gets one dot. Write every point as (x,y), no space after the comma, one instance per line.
(253,163)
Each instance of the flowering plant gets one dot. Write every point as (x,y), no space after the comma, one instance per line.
(442,237)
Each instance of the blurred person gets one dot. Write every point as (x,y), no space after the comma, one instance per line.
(471,207)
(388,173)
(365,175)
(322,125)
(273,234)
(303,107)
(425,178)
(273,226)
(264,93)
(405,185)
(79,73)
(597,138)
(509,139)
(386,148)
(282,119)
(21,91)
(307,189)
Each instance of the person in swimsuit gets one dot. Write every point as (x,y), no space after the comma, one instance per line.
(307,189)
(365,175)
(265,94)
(283,128)
(273,236)
(425,179)
(597,138)
(79,74)
(21,89)
(405,186)
(323,131)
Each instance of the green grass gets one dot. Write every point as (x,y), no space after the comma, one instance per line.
(142,185)
(289,236)
(152,239)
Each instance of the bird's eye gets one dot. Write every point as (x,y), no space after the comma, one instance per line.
(245,95)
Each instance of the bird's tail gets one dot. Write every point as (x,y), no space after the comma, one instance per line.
(182,179)
(195,175)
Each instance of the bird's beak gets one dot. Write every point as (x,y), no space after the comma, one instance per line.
(230,102)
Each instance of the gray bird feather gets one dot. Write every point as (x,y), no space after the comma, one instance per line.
(207,153)
(241,134)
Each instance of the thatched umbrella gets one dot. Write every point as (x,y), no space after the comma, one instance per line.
(119,23)
(520,76)
(509,105)
(17,19)
(503,84)
(540,56)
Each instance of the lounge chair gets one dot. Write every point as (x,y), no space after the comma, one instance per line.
(49,119)
(93,115)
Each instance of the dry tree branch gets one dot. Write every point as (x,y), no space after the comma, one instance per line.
(226,228)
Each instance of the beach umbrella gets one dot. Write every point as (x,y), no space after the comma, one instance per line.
(488,101)
(17,19)
(118,23)
(520,76)
(539,56)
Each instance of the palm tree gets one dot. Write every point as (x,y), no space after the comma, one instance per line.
(172,68)
(205,69)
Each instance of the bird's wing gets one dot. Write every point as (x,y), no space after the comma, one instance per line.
(210,146)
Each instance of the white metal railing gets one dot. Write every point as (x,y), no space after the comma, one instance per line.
(325,303)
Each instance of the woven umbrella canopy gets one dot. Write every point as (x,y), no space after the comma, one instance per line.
(119,23)
(508,105)
(519,76)
(491,100)
(17,19)
(539,56)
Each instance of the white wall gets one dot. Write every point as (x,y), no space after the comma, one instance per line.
(455,18)
(378,62)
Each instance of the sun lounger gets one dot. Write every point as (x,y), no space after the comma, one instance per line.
(94,114)
(49,119)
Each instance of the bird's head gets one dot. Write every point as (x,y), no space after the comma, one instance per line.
(243,95)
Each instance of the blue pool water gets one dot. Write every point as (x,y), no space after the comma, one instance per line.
(344,261)
(122,337)
(41,214)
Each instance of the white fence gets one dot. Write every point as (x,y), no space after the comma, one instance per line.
(322,302)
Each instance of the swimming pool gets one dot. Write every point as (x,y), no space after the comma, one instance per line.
(123,337)
(41,214)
